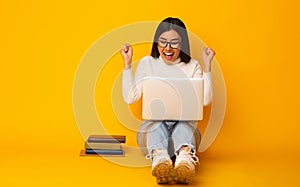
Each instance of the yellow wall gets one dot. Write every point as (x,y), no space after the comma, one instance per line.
(42,43)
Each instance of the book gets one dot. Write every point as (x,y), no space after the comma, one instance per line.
(93,145)
(106,139)
(104,145)
(105,151)
(82,153)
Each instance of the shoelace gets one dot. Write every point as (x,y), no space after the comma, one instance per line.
(151,155)
(192,156)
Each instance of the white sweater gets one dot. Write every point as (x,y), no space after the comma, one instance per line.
(149,66)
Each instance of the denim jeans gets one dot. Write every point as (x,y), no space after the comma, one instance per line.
(167,135)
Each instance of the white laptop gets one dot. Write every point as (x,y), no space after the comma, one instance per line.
(172,98)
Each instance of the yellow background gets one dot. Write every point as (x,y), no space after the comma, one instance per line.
(257,45)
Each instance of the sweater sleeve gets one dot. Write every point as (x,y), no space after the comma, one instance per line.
(132,86)
(208,88)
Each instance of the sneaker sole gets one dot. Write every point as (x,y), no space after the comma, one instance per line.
(161,171)
(184,173)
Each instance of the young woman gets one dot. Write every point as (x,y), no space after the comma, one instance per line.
(163,140)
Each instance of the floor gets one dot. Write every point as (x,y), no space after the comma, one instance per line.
(62,166)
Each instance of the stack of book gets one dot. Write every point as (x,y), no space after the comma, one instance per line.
(106,145)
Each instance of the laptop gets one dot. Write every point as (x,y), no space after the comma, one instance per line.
(172,99)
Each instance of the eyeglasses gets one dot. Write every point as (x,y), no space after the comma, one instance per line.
(173,44)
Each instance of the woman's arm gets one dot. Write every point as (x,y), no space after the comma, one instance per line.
(208,89)
(131,88)
(207,57)
(126,53)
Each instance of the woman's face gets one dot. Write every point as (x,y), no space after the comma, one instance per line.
(169,46)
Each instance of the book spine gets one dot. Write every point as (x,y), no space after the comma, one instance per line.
(89,145)
(103,140)
(104,151)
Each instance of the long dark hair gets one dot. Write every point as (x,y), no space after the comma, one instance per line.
(177,25)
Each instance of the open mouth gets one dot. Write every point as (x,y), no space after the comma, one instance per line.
(168,56)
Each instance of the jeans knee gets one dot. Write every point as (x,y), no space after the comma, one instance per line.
(185,127)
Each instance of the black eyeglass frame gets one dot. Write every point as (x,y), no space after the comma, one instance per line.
(170,44)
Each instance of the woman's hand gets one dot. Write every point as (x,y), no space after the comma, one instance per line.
(126,53)
(207,56)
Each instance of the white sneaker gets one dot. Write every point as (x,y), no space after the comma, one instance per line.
(161,165)
(185,165)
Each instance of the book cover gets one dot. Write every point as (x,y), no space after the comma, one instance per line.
(82,153)
(97,145)
(107,138)
(105,151)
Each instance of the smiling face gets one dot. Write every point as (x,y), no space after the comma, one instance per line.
(169,46)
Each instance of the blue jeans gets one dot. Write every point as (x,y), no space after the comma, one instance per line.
(170,136)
